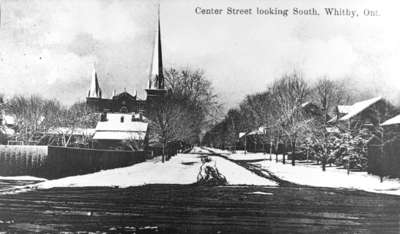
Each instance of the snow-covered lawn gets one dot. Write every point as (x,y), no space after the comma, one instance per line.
(180,169)
(312,175)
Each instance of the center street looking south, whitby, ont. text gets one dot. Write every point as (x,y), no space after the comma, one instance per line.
(271,11)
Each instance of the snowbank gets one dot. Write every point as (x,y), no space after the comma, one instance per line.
(218,151)
(236,174)
(28,178)
(249,156)
(198,150)
(181,169)
(312,175)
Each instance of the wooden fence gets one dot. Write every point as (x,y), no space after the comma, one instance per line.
(22,159)
(384,160)
(55,162)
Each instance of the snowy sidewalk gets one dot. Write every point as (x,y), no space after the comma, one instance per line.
(312,175)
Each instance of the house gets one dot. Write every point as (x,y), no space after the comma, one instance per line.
(121,131)
(261,139)
(392,122)
(311,110)
(391,128)
(340,111)
(366,113)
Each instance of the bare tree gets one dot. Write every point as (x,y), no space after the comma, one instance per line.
(183,112)
(34,114)
(327,94)
(171,121)
(290,93)
(79,115)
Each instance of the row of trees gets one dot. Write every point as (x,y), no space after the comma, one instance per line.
(35,116)
(294,113)
(180,116)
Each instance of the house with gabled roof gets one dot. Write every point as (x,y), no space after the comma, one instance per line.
(366,113)
(124,131)
(391,127)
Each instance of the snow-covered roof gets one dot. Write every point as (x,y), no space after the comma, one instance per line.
(332,129)
(255,132)
(393,121)
(344,109)
(9,120)
(7,131)
(114,123)
(120,127)
(358,107)
(333,119)
(305,104)
(75,131)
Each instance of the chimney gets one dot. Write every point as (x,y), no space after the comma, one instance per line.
(103,116)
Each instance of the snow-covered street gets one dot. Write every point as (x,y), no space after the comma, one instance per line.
(180,169)
(75,204)
(312,175)
(184,169)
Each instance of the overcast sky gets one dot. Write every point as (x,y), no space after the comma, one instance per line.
(49,47)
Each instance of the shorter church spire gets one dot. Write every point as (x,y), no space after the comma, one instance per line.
(94,90)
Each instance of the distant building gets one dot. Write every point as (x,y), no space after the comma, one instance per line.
(122,124)
(125,102)
(367,113)
(118,130)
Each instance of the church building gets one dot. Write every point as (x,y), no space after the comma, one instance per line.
(122,124)
(130,103)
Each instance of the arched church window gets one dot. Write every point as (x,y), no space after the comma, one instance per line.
(124,109)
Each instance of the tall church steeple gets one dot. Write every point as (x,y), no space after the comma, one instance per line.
(156,86)
(94,90)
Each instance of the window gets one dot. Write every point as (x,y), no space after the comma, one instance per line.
(123,109)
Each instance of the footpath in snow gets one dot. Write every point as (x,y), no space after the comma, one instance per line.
(180,169)
(312,175)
